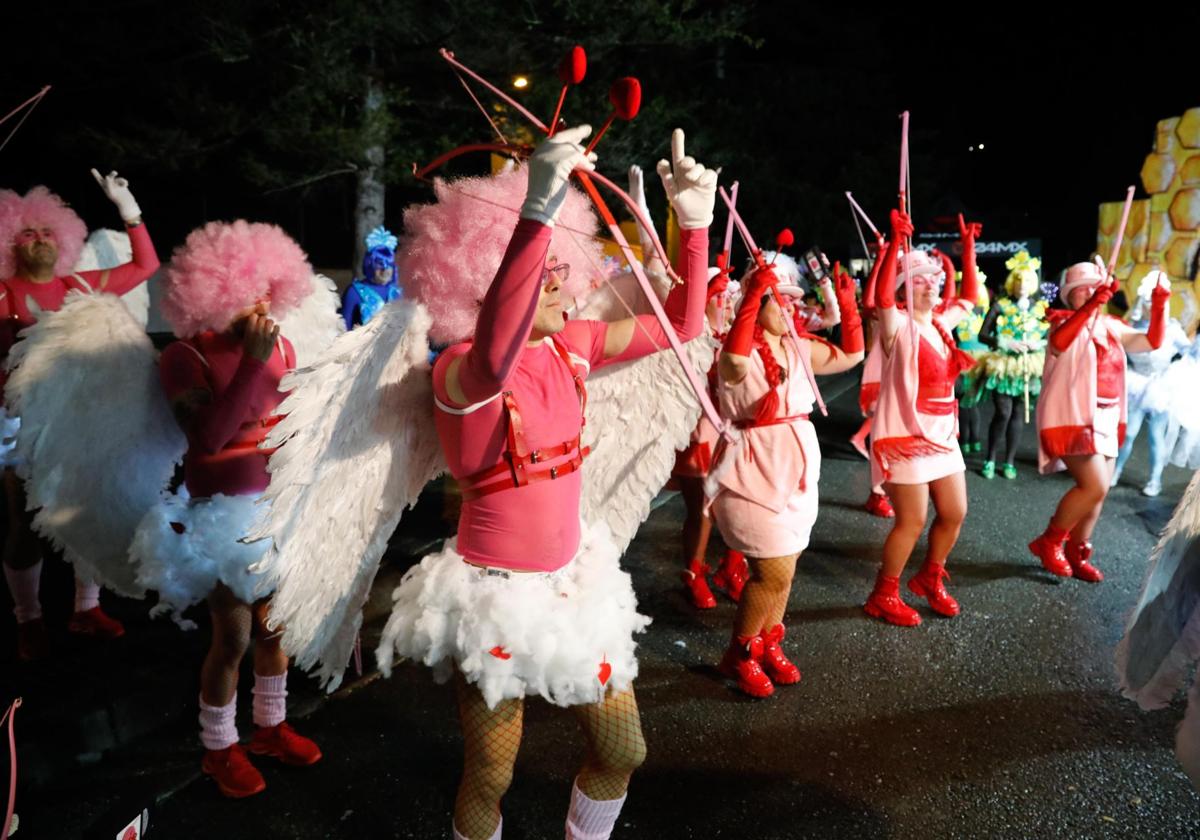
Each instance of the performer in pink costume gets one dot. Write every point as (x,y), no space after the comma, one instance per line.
(764,486)
(222,378)
(1081,412)
(915,452)
(40,240)
(526,602)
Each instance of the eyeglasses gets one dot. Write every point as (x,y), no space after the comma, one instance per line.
(561,272)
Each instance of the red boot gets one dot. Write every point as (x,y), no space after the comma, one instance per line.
(732,574)
(95,622)
(778,667)
(927,583)
(32,642)
(878,504)
(741,663)
(1049,548)
(231,769)
(282,742)
(1078,555)
(696,583)
(885,602)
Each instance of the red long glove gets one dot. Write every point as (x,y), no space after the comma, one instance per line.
(1069,330)
(868,301)
(968,231)
(885,291)
(852,331)
(948,292)
(1158,316)
(740,340)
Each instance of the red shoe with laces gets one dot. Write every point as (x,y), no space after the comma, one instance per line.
(741,662)
(1050,551)
(1078,555)
(927,583)
(286,744)
(696,583)
(885,602)
(732,574)
(32,642)
(878,504)
(779,668)
(231,769)
(95,622)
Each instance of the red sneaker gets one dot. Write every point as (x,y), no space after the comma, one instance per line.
(231,769)
(32,642)
(1078,555)
(732,574)
(878,504)
(283,742)
(927,583)
(1050,552)
(778,667)
(95,622)
(741,663)
(696,583)
(885,602)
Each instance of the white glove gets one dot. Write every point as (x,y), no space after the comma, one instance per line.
(549,171)
(637,191)
(833,310)
(117,190)
(691,189)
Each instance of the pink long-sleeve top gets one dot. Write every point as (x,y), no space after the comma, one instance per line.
(22,300)
(535,527)
(232,399)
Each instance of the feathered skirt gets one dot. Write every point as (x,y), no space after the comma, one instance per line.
(566,635)
(184,547)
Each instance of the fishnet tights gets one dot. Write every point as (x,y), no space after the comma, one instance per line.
(764,600)
(233,622)
(492,737)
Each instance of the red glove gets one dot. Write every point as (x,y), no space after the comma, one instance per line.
(740,339)
(947,267)
(968,231)
(852,331)
(885,291)
(1069,330)
(1158,316)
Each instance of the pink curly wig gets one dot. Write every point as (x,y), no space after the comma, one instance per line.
(226,266)
(39,208)
(452,249)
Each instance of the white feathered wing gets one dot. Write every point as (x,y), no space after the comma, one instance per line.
(638,415)
(356,447)
(315,323)
(98,441)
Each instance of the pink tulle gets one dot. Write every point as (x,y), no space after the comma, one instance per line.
(226,266)
(41,208)
(451,249)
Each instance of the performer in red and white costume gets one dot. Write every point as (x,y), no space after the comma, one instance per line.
(914,449)
(223,290)
(526,601)
(1081,412)
(764,486)
(40,240)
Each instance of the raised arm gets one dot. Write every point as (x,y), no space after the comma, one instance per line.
(885,293)
(144,261)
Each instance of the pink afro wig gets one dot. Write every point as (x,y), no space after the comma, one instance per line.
(39,208)
(452,249)
(226,266)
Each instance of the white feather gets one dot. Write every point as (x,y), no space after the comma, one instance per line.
(639,413)
(98,441)
(356,447)
(315,323)
(621,296)
(108,249)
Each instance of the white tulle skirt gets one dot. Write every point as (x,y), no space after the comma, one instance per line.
(184,547)
(565,635)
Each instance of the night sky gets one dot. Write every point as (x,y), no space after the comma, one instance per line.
(800,110)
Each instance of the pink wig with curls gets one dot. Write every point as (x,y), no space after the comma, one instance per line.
(224,267)
(452,249)
(39,208)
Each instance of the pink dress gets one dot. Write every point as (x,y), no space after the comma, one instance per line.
(763,488)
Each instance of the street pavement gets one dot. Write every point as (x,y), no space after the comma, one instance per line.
(1003,722)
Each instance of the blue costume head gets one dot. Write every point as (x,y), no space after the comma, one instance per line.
(381,254)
